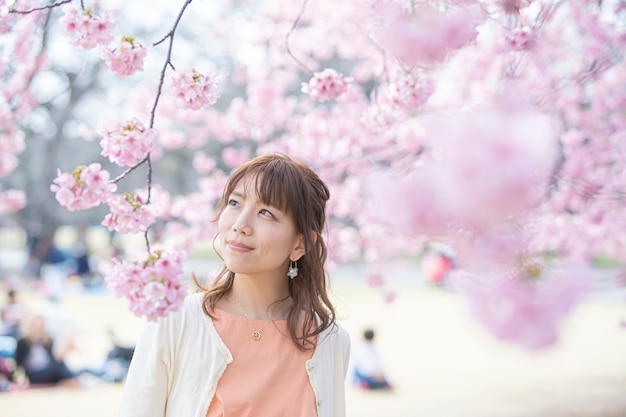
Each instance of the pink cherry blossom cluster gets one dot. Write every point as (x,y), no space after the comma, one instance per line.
(521,38)
(127,58)
(203,163)
(86,29)
(526,309)
(8,163)
(194,90)
(377,281)
(10,146)
(500,183)
(410,90)
(85,187)
(498,159)
(129,145)
(499,246)
(483,167)
(426,34)
(326,85)
(233,157)
(422,211)
(11,200)
(153,286)
(128,214)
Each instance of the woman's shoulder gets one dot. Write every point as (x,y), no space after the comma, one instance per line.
(193,300)
(343,334)
(336,333)
(192,306)
(189,311)
(187,322)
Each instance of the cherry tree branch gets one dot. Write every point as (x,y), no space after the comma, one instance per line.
(38,57)
(129,170)
(167,63)
(293,28)
(37,9)
(168,59)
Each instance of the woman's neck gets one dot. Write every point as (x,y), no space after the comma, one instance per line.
(259,300)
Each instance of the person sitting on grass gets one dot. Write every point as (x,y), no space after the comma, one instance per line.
(367,367)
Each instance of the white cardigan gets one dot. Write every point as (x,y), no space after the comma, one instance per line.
(179,359)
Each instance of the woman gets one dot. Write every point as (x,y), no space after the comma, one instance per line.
(261,340)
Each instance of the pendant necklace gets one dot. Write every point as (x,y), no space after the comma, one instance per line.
(256,333)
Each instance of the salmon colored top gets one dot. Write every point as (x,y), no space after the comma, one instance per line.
(267,377)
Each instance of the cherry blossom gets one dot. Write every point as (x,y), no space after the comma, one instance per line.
(11,200)
(129,145)
(153,286)
(525,308)
(522,38)
(495,126)
(8,163)
(422,211)
(375,280)
(409,89)
(499,158)
(234,157)
(127,58)
(160,201)
(86,29)
(194,90)
(425,35)
(85,187)
(203,163)
(326,85)
(128,214)
(11,144)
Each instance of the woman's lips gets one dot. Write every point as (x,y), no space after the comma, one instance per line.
(239,247)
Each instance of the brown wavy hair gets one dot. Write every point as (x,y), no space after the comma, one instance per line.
(294,188)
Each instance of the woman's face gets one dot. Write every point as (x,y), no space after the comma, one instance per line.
(255,238)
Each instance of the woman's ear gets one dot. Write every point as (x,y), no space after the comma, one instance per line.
(299,249)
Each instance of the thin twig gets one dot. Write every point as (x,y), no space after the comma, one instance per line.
(168,60)
(149,178)
(293,28)
(37,9)
(147,239)
(129,170)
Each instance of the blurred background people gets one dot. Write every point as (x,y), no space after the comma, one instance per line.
(37,356)
(436,265)
(7,364)
(12,314)
(367,367)
(82,257)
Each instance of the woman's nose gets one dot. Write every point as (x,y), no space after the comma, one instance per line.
(242,225)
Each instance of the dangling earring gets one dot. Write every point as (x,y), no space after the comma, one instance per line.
(293,270)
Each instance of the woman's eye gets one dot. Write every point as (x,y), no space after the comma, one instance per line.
(266,212)
(232,202)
